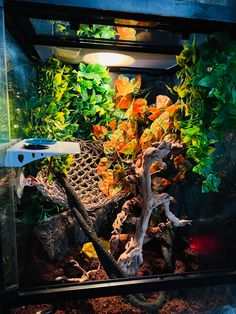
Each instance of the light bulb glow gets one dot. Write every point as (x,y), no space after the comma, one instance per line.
(108,59)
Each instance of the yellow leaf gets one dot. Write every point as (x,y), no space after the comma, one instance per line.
(108,147)
(89,251)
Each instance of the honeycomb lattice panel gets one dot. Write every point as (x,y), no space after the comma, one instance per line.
(83,178)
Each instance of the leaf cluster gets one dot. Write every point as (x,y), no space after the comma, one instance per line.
(207,94)
(135,127)
(96,31)
(70,101)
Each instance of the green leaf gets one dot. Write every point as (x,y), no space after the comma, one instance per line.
(191,131)
(118,113)
(82,67)
(207,82)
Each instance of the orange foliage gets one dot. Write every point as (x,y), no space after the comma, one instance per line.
(126,33)
(100,131)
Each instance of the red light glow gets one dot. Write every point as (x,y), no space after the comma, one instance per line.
(207,245)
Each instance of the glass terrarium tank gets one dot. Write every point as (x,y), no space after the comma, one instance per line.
(118,152)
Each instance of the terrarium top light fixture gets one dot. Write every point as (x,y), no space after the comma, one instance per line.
(108,59)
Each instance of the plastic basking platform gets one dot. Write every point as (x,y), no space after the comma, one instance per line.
(18,156)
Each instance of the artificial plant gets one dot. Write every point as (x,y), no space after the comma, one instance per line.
(136,126)
(96,31)
(70,101)
(207,96)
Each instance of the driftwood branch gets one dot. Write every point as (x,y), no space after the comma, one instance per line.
(132,258)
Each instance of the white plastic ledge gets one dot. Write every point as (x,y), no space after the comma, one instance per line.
(18,156)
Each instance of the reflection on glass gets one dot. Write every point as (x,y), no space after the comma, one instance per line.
(131,31)
(8,276)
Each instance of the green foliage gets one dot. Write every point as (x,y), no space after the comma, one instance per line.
(97,31)
(207,94)
(62,28)
(70,101)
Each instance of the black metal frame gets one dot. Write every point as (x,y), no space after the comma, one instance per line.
(184,18)
(124,286)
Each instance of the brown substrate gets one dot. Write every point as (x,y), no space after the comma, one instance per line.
(194,301)
(40,271)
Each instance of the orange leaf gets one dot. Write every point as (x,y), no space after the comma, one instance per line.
(108,177)
(146,139)
(125,101)
(126,33)
(129,148)
(139,108)
(156,130)
(129,113)
(126,22)
(104,187)
(156,112)
(147,24)
(173,109)
(130,127)
(155,167)
(102,165)
(112,124)
(123,86)
(163,101)
(158,183)
(179,160)
(100,131)
(180,176)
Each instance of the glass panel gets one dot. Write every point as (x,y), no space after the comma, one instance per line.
(205,300)
(56,253)
(141,32)
(21,77)
(8,274)
(52,27)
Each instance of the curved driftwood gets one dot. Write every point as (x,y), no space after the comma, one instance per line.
(130,260)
